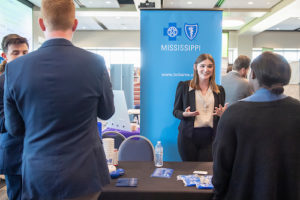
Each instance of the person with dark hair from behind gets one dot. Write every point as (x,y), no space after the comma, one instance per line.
(11,148)
(257,150)
(53,97)
(198,104)
(235,83)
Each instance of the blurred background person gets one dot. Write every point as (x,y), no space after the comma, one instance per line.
(53,97)
(11,148)
(256,150)
(198,104)
(1,60)
(235,82)
(229,68)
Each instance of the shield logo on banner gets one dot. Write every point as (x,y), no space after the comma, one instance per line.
(191,30)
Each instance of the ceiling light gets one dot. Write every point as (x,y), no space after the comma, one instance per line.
(189,2)
(268,3)
(171,2)
(108,2)
(83,27)
(107,14)
(250,2)
(232,22)
(277,28)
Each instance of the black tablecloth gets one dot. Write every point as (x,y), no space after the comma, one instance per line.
(150,188)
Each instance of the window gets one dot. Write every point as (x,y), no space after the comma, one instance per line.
(290,55)
(119,56)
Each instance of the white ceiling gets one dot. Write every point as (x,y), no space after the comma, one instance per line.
(189,4)
(246,14)
(292,23)
(121,23)
(249,4)
(100,3)
(88,23)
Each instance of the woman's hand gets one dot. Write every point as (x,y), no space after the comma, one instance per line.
(220,110)
(188,113)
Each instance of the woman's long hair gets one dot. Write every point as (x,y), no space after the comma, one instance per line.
(212,82)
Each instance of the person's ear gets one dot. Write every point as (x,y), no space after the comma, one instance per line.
(3,55)
(242,71)
(195,67)
(74,25)
(42,25)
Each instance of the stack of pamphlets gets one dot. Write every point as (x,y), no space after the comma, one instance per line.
(201,182)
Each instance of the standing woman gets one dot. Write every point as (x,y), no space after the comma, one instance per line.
(198,104)
(257,147)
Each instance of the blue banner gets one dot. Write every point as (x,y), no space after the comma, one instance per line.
(171,40)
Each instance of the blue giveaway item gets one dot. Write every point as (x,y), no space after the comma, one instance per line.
(189,180)
(117,173)
(162,173)
(205,182)
(201,182)
(127,182)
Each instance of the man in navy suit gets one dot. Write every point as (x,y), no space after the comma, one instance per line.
(53,96)
(11,148)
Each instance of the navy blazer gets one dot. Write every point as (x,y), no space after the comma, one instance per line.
(11,148)
(54,96)
(185,98)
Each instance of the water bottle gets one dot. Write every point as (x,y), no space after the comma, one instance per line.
(158,155)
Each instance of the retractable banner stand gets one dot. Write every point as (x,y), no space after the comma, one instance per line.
(171,40)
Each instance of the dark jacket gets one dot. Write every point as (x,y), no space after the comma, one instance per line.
(11,147)
(53,97)
(257,151)
(185,98)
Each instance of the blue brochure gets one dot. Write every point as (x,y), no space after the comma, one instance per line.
(127,182)
(189,180)
(205,182)
(201,182)
(162,173)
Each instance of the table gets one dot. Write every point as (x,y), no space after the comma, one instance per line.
(150,188)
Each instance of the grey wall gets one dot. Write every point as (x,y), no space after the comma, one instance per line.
(107,39)
(277,39)
(121,76)
(93,39)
